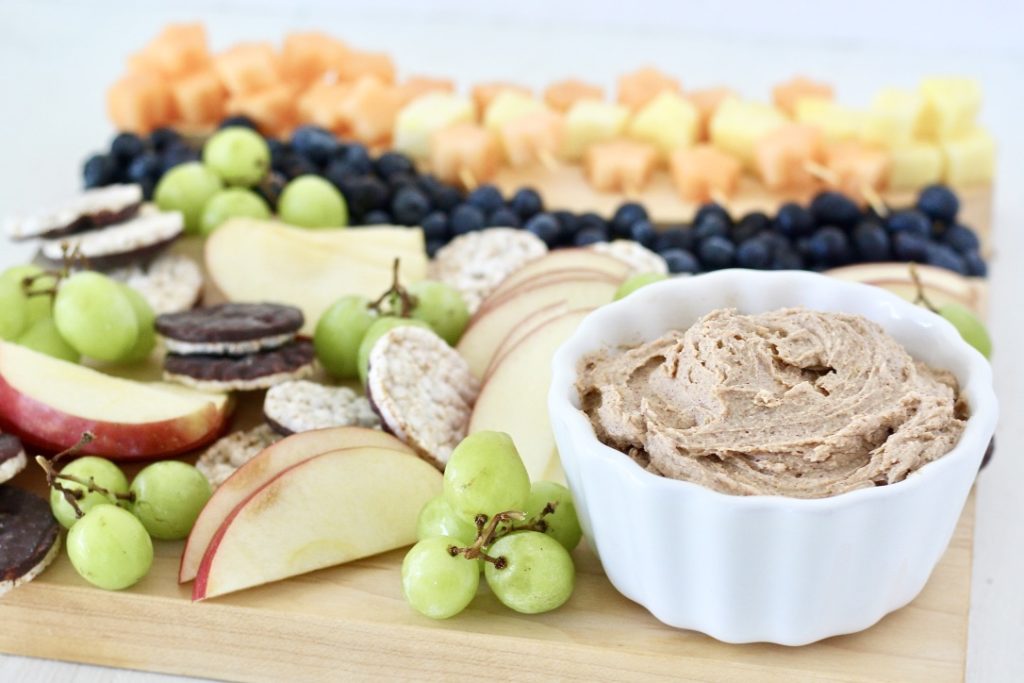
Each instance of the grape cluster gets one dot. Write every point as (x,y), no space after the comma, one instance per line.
(491,519)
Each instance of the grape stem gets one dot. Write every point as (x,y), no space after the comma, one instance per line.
(920,299)
(490,530)
(406,300)
(54,478)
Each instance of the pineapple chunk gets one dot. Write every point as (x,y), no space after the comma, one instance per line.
(508,106)
(668,122)
(970,160)
(590,122)
(703,171)
(533,137)
(462,149)
(893,119)
(837,123)
(424,116)
(639,87)
(788,94)
(951,106)
(739,124)
(620,165)
(914,166)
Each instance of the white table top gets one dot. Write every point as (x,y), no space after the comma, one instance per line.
(56,60)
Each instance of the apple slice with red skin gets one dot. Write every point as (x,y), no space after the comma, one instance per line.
(563,260)
(49,403)
(333,508)
(542,279)
(254,474)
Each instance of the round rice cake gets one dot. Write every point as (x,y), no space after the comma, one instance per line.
(138,240)
(262,370)
(89,210)
(12,457)
(220,460)
(230,329)
(29,537)
(302,406)
(477,262)
(639,258)
(423,391)
(170,284)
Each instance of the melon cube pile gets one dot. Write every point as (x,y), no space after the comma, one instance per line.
(465,153)
(561,95)
(739,124)
(639,87)
(620,165)
(788,94)
(704,172)
(782,157)
(532,138)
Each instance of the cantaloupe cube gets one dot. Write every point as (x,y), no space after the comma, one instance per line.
(357,64)
(971,159)
(139,103)
(508,106)
(177,50)
(273,109)
(484,93)
(305,57)
(701,173)
(462,150)
(417,122)
(561,95)
(951,106)
(199,97)
(914,166)
(639,87)
(788,94)
(620,165)
(838,123)
(857,166)
(321,102)
(669,122)
(893,118)
(532,138)
(739,124)
(707,101)
(782,156)
(248,68)
(416,86)
(369,109)
(590,122)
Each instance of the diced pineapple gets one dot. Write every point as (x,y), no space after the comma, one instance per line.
(669,122)
(782,156)
(914,166)
(639,87)
(484,93)
(788,94)
(531,138)
(837,122)
(702,172)
(893,119)
(739,124)
(508,106)
(971,159)
(590,122)
(417,122)
(464,150)
(951,106)
(620,165)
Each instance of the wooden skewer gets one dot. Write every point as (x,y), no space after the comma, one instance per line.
(718,196)
(821,172)
(874,200)
(547,160)
(468,179)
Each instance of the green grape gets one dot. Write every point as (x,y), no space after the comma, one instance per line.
(373,335)
(636,282)
(442,307)
(145,342)
(44,337)
(436,583)
(187,188)
(169,496)
(485,476)
(309,201)
(538,575)
(13,310)
(239,155)
(102,472)
(437,519)
(339,332)
(969,327)
(40,305)
(233,202)
(95,316)
(562,525)
(110,548)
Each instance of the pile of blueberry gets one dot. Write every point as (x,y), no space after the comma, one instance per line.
(387,189)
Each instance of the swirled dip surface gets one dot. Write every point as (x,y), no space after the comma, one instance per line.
(793,402)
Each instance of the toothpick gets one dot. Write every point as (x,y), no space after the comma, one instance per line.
(547,160)
(821,172)
(718,196)
(874,200)
(467,178)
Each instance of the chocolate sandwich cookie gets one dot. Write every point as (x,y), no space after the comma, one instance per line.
(138,240)
(232,329)
(29,537)
(261,370)
(89,210)
(12,457)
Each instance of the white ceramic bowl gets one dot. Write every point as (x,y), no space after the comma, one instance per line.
(766,568)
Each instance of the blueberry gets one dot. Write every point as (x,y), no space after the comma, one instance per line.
(939,203)
(774,240)
(835,208)
(396,181)
(526,202)
(148,187)
(592,220)
(315,143)
(625,216)
(162,138)
(711,226)
(712,210)
(410,206)
(357,159)
(144,167)
(642,232)
(362,193)
(378,217)
(961,238)
(546,227)
(976,265)
(98,171)
(435,226)
(503,217)
(872,242)
(944,256)
(787,259)
(278,152)
(749,225)
(296,165)
(681,261)
(466,218)
(238,120)
(568,224)
(909,220)
(753,253)
(433,246)
(907,246)
(448,197)
(793,220)
(678,237)
(390,163)
(829,246)
(125,147)
(716,252)
(487,198)
(591,234)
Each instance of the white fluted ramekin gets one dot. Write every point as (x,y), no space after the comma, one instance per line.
(766,568)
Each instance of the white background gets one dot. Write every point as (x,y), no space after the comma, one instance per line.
(56,58)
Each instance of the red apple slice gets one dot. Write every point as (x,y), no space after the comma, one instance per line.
(333,508)
(49,403)
(562,260)
(493,301)
(261,469)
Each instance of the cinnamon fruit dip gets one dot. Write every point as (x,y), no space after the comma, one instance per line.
(793,402)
